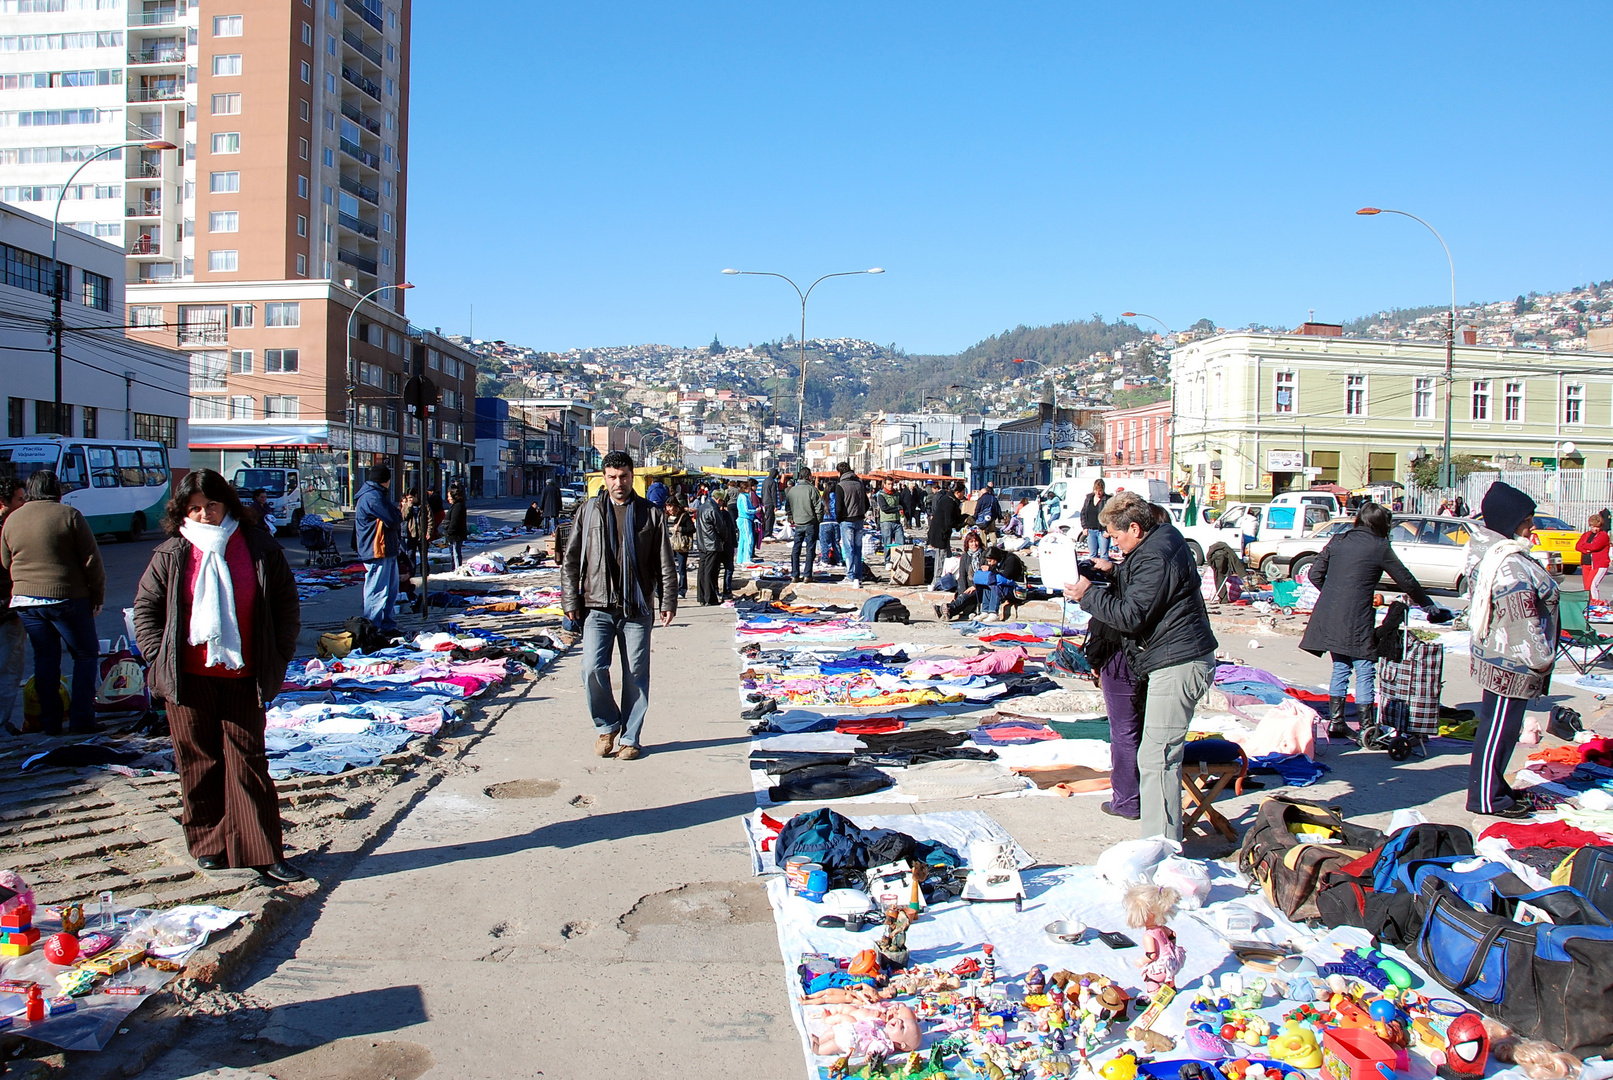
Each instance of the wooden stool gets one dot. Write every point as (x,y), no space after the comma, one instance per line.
(1203,781)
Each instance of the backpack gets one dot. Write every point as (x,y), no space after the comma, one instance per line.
(1377,891)
(122,686)
(366,638)
(1069,659)
(1278,859)
(884,608)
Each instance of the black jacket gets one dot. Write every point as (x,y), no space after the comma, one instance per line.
(853,498)
(1348,571)
(586,580)
(1158,607)
(159,604)
(551,499)
(454,526)
(944,517)
(1090,509)
(715,531)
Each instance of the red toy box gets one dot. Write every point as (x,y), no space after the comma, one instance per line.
(1355,1053)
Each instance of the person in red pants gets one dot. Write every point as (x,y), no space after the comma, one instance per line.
(1592,546)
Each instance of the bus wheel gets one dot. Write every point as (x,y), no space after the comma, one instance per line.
(137,529)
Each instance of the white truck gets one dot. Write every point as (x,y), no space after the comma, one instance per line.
(291,491)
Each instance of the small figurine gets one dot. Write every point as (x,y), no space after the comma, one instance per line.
(989,967)
(892,944)
(34,1007)
(1035,981)
(1296,1046)
(1122,1067)
(1149,908)
(73,918)
(1253,996)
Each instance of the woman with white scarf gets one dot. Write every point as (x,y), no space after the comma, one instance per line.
(1513,617)
(217,617)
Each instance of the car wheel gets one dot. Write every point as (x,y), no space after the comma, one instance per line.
(137,529)
(1269,568)
(1300,565)
(1198,552)
(1461,585)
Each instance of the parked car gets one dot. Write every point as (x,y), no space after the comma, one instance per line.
(1272,557)
(1555,534)
(1434,549)
(571,495)
(1204,535)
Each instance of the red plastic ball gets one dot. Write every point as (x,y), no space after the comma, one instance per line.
(1229,1032)
(61,948)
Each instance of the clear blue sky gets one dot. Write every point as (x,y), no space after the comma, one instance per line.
(581,173)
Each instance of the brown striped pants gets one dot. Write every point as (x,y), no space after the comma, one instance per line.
(231,807)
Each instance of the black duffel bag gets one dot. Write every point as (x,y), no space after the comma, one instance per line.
(1551,981)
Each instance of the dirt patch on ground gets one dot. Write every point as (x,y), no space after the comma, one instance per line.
(701,904)
(523,789)
(354,1059)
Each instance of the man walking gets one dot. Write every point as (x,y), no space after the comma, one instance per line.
(803,508)
(376,522)
(551,504)
(944,517)
(853,512)
(988,511)
(713,530)
(888,508)
(1156,605)
(618,564)
(768,517)
(13,637)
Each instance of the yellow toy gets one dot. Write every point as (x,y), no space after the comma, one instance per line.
(1123,1067)
(1296,1046)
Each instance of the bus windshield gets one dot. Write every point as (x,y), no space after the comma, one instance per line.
(272,481)
(22,461)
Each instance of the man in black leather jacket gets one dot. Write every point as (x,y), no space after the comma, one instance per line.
(1155,602)
(714,535)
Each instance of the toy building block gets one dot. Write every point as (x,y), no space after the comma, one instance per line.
(26,936)
(20,918)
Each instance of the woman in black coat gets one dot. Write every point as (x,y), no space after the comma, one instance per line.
(456,530)
(1347,572)
(944,517)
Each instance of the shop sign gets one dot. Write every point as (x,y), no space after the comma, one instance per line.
(1285,460)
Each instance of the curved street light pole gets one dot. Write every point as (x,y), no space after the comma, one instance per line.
(800,398)
(1447,468)
(352,399)
(58,280)
(1170,471)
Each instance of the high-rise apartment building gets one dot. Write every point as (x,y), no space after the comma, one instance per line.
(249,247)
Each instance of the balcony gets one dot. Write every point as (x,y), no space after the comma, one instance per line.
(166,17)
(164,54)
(358,80)
(143,170)
(145,245)
(353,258)
(357,8)
(358,225)
(202,334)
(144,209)
(369,52)
(358,153)
(363,191)
(356,114)
(162,92)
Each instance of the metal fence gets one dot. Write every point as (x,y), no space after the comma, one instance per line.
(1571,494)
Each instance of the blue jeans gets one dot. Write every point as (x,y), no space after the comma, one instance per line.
(851,539)
(1098,543)
(828,538)
(380,591)
(50,626)
(805,537)
(456,548)
(891,534)
(1365,674)
(602,632)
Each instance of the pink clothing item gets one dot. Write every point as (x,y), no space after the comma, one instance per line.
(1287,728)
(1165,957)
(1000,662)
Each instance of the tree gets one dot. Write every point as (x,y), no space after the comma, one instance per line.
(716,348)
(1206,325)
(1425,471)
(1521,306)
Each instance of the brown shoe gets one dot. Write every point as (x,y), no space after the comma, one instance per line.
(629,753)
(605,744)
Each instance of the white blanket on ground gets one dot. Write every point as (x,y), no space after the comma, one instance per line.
(957,829)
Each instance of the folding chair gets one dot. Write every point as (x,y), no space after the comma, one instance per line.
(1577,633)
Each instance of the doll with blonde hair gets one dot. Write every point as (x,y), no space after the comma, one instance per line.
(1149,908)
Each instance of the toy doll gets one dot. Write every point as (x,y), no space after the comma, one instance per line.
(863,1029)
(1149,908)
(860,994)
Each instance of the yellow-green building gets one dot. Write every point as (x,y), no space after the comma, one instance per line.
(1260,413)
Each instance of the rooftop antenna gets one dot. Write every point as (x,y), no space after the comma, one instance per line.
(1312,315)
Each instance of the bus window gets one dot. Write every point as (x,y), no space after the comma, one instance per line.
(103,467)
(129,474)
(22,461)
(156,469)
(72,473)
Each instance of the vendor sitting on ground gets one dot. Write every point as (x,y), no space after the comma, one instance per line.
(955,575)
(991,591)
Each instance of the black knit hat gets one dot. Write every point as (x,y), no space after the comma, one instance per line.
(1505,508)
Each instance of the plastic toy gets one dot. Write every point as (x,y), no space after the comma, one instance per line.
(1296,1046)
(1356,1053)
(1347,1014)
(1355,965)
(17,931)
(34,1006)
(1143,1030)
(1149,908)
(73,918)
(1395,972)
(1035,981)
(1122,1067)
(115,961)
(1253,996)
(61,948)
(1468,1047)
(1202,1041)
(76,981)
(988,973)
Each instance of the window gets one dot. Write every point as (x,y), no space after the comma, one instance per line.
(1422,399)
(224,183)
(279,361)
(280,407)
(224,221)
(240,361)
(302,187)
(330,44)
(1355,395)
(389,86)
(307,72)
(302,148)
(240,408)
(302,265)
(1512,403)
(154,463)
(227,64)
(1328,462)
(226,104)
(386,222)
(327,198)
(1573,404)
(226,26)
(330,81)
(1287,382)
(158,429)
(226,142)
(241,314)
(226,261)
(207,408)
(103,466)
(302,225)
(97,290)
(307,34)
(145,315)
(92,421)
(208,371)
(330,158)
(1481,399)
(286,314)
(370,374)
(72,472)
(302,110)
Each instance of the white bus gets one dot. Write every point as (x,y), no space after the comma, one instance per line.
(121,486)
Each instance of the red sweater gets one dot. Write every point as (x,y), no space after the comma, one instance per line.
(193,660)
(1593,546)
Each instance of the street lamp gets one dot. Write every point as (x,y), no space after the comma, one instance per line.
(58,284)
(800,401)
(1447,468)
(1559,451)
(1171,470)
(352,397)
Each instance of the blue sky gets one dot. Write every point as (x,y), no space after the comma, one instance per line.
(581,173)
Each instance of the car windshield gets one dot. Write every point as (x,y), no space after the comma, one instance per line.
(272,481)
(1543,522)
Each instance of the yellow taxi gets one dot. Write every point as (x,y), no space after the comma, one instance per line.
(1555,534)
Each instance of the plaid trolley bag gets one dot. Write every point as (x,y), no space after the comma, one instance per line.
(1408,690)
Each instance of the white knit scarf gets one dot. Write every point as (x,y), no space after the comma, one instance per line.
(1483,587)
(212,611)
